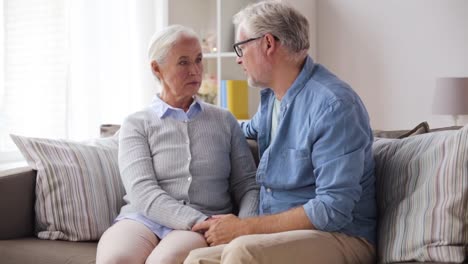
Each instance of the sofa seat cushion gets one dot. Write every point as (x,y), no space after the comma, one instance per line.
(38,251)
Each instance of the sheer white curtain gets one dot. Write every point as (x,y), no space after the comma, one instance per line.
(70,66)
(109,74)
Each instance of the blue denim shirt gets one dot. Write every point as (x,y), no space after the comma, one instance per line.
(321,157)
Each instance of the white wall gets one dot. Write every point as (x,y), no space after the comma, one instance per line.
(391,52)
(308,9)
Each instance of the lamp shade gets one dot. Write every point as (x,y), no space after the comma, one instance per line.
(451,96)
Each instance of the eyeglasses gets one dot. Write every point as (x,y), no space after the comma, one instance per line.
(238,49)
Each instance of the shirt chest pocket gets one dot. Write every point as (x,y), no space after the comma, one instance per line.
(293,169)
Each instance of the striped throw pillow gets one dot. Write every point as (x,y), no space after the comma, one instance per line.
(78,186)
(422,195)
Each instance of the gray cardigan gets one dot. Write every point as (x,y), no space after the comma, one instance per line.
(179,173)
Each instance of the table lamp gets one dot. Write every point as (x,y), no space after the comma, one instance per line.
(451,97)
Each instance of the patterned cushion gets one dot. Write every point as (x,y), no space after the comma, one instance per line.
(78,186)
(422,195)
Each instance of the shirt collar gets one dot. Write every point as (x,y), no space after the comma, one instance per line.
(298,84)
(162,109)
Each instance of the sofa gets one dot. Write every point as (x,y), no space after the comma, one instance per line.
(19,242)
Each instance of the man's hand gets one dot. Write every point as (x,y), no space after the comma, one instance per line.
(221,229)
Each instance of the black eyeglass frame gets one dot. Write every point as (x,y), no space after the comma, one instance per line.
(238,49)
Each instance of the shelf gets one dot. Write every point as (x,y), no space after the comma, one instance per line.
(210,55)
(228,55)
(220,55)
(212,20)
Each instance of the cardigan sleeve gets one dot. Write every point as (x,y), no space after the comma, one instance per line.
(242,179)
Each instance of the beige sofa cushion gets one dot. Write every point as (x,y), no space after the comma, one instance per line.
(78,187)
(37,251)
(422,195)
(421,128)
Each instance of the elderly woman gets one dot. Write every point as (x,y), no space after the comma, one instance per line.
(181,161)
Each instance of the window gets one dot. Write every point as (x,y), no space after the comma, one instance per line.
(69,66)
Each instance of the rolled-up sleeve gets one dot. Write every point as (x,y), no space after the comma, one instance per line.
(338,157)
(250,127)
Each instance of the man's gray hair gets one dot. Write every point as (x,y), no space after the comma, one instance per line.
(280,20)
(162,41)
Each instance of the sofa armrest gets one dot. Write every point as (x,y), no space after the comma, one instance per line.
(17,194)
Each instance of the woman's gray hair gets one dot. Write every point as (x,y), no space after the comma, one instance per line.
(280,20)
(162,41)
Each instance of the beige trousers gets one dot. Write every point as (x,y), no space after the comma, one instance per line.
(129,241)
(300,246)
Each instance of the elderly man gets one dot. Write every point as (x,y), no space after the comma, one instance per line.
(317,200)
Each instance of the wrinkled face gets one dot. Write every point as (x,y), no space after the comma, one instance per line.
(253,61)
(181,72)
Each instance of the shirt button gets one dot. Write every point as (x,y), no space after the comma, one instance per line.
(268,190)
(189,179)
(189,158)
(185,121)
